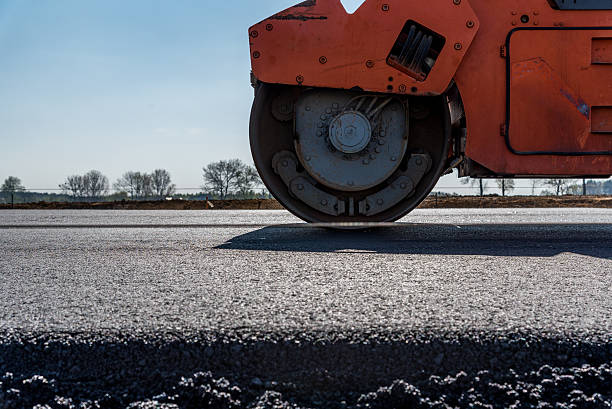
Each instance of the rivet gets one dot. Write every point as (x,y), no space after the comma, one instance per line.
(382,133)
(381,142)
(323,60)
(307,108)
(324,202)
(370,64)
(323,117)
(308,158)
(536,13)
(299,79)
(328,110)
(320,134)
(254,34)
(402,88)
(469,24)
(514,13)
(458,46)
(377,149)
(419,162)
(385,7)
(372,156)
(393,158)
(456,2)
(300,187)
(269,27)
(256,54)
(380,202)
(285,164)
(403,186)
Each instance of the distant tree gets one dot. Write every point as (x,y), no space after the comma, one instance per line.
(506,185)
(12,184)
(74,185)
(480,183)
(222,177)
(136,184)
(247,181)
(95,183)
(127,183)
(559,185)
(161,183)
(535,183)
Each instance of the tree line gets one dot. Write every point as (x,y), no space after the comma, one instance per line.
(223,179)
(234,179)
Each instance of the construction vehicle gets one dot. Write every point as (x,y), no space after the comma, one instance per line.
(356,116)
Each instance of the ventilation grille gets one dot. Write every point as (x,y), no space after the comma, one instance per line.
(416,50)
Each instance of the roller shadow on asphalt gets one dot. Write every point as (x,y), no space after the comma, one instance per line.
(508,240)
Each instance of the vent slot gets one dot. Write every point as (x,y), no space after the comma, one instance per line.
(416,50)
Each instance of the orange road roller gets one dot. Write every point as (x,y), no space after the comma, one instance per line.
(357,115)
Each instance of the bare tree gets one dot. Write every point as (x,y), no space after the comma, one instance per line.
(247,181)
(127,183)
(480,183)
(535,183)
(74,185)
(506,185)
(161,183)
(221,177)
(12,184)
(96,184)
(559,185)
(136,184)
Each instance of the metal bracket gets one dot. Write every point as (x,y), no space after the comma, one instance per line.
(401,188)
(285,164)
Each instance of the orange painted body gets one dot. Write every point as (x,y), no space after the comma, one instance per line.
(536,90)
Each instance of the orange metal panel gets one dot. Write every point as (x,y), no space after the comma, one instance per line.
(481,79)
(553,86)
(601,52)
(601,120)
(317,43)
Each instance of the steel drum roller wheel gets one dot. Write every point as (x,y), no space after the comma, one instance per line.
(343,156)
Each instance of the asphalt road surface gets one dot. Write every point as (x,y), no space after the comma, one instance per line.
(124,303)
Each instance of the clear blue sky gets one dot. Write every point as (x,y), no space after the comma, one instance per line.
(119,85)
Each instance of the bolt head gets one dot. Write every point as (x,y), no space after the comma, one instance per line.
(381,142)
(393,158)
(285,163)
(370,64)
(300,187)
(403,186)
(377,149)
(269,27)
(308,158)
(372,156)
(324,202)
(380,202)
(382,134)
(419,162)
(458,46)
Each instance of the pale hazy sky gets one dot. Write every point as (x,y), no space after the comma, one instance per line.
(118,85)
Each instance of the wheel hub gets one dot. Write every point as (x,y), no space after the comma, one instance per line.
(350,132)
(347,141)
